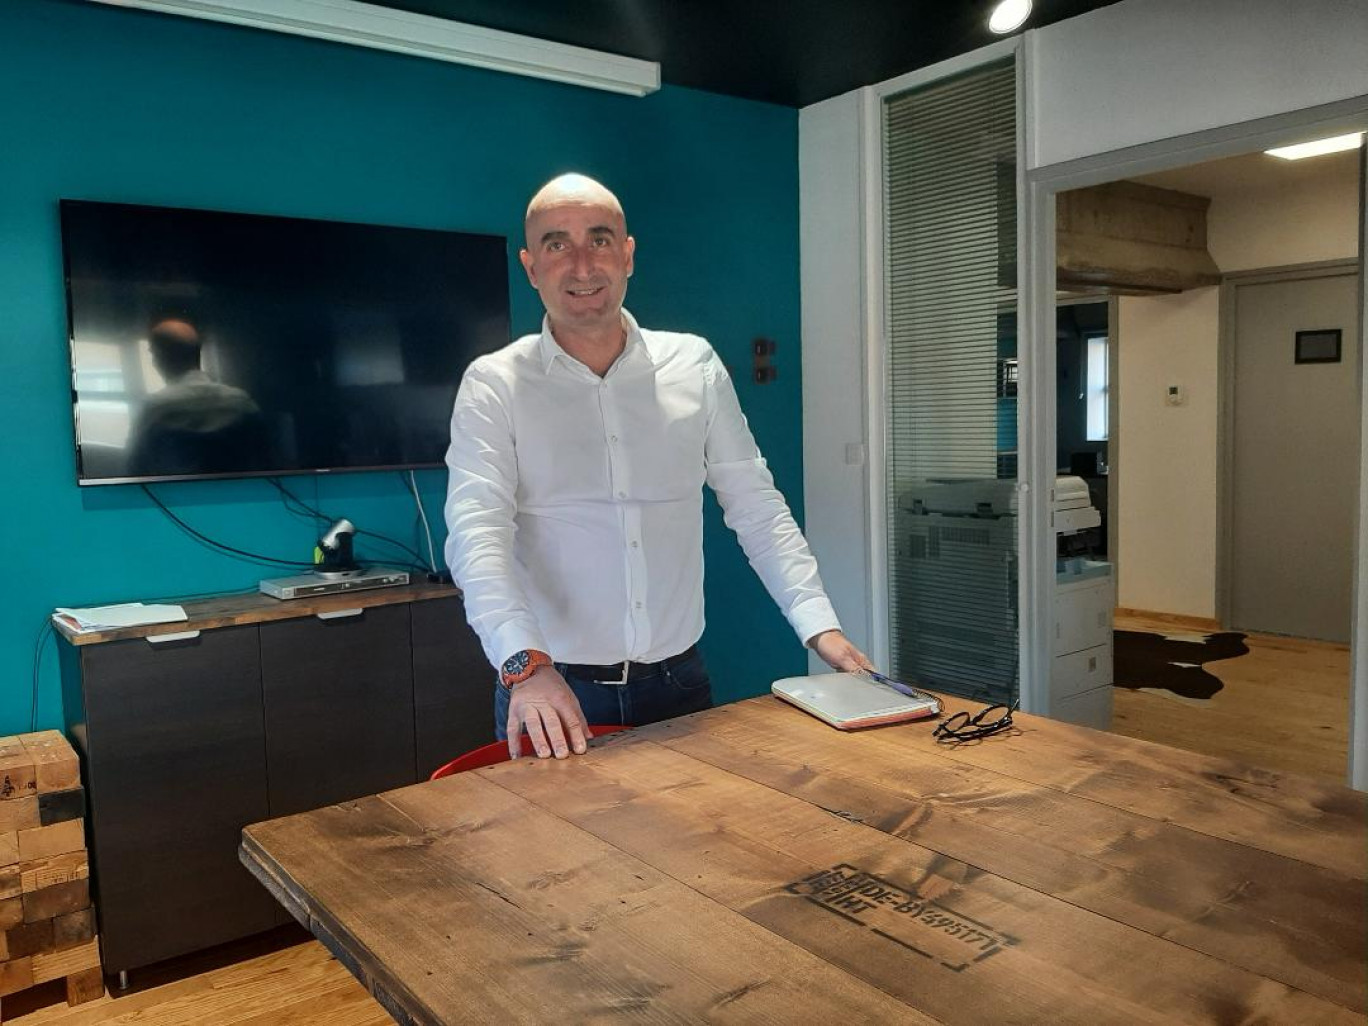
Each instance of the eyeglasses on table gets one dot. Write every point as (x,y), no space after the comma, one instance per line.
(961,726)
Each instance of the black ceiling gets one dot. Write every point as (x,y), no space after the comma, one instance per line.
(792,52)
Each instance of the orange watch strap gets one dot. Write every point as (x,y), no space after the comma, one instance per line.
(521,665)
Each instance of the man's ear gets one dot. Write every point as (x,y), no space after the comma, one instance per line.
(526,258)
(630,247)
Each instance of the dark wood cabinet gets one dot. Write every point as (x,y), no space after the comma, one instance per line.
(339,707)
(453,685)
(271,710)
(171,741)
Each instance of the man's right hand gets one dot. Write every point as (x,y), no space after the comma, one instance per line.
(549,710)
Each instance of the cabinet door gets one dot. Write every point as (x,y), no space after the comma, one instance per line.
(1083,616)
(339,707)
(1083,671)
(174,752)
(453,684)
(1090,709)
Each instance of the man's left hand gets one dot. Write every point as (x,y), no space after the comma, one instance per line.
(837,652)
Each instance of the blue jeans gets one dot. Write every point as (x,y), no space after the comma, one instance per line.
(680,689)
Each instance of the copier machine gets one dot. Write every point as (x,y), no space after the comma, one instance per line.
(953,592)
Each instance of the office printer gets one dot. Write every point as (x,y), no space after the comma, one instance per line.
(990,497)
(953,589)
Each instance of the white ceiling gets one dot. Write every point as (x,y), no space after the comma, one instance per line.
(1257,172)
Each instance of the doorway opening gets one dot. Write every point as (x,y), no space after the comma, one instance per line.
(1232,462)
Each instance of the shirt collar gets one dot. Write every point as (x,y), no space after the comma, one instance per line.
(550,348)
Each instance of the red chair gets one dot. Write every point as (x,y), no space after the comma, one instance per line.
(491,754)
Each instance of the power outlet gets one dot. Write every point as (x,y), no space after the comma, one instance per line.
(763,371)
(1175,395)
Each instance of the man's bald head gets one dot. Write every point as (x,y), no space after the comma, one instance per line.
(573,190)
(175,345)
(578,257)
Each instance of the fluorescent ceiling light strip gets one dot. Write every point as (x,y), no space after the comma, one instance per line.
(419,35)
(1335,144)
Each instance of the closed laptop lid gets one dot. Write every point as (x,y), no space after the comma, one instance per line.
(849,702)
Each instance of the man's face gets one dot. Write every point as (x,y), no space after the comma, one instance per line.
(578,258)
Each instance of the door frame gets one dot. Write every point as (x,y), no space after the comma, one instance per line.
(1113,410)
(1037,430)
(1225,404)
(875,341)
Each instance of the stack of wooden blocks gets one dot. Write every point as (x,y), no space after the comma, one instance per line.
(47,922)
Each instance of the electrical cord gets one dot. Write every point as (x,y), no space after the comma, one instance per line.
(256,557)
(300,508)
(44,632)
(220,546)
(293,504)
(422,513)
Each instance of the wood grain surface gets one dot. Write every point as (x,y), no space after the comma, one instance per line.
(752,864)
(255,607)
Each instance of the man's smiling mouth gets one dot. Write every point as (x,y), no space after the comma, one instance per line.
(585,292)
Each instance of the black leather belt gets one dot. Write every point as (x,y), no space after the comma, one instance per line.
(611,673)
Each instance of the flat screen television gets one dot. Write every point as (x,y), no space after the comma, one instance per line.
(209,344)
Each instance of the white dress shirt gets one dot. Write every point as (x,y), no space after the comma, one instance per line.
(575,503)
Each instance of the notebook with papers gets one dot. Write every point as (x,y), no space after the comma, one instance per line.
(849,702)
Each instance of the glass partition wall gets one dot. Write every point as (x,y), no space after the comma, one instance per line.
(950,293)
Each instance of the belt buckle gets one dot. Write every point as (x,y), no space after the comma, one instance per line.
(626,671)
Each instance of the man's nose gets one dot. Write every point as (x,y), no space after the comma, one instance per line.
(583,261)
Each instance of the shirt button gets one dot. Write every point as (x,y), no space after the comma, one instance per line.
(636,545)
(638,605)
(622,495)
(613,439)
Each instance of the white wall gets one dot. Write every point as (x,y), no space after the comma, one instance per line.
(1144,70)
(1167,535)
(1295,223)
(831,240)
(1166,528)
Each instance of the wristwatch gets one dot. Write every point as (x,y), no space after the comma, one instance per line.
(521,665)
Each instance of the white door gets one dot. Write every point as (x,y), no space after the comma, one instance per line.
(1295,457)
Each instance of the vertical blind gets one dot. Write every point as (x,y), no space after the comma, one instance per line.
(950,265)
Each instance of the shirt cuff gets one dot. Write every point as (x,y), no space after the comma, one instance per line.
(513,638)
(812,616)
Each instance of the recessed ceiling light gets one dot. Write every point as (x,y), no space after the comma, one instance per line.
(1335,144)
(1009,15)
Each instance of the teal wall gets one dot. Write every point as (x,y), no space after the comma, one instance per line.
(108,104)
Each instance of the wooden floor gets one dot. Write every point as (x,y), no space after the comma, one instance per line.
(1284,706)
(283,978)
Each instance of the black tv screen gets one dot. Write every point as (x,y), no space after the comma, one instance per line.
(209,344)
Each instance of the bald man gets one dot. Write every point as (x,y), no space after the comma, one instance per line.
(193,424)
(575,501)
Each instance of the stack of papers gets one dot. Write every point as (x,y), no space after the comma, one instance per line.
(127,614)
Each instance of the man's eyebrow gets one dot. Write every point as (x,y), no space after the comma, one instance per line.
(598,229)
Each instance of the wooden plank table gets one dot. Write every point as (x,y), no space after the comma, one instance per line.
(751,864)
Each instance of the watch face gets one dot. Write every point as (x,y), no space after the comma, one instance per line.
(517,662)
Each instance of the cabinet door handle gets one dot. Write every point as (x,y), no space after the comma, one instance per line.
(161,639)
(338,614)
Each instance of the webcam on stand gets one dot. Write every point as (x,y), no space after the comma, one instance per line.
(335,570)
(333,555)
